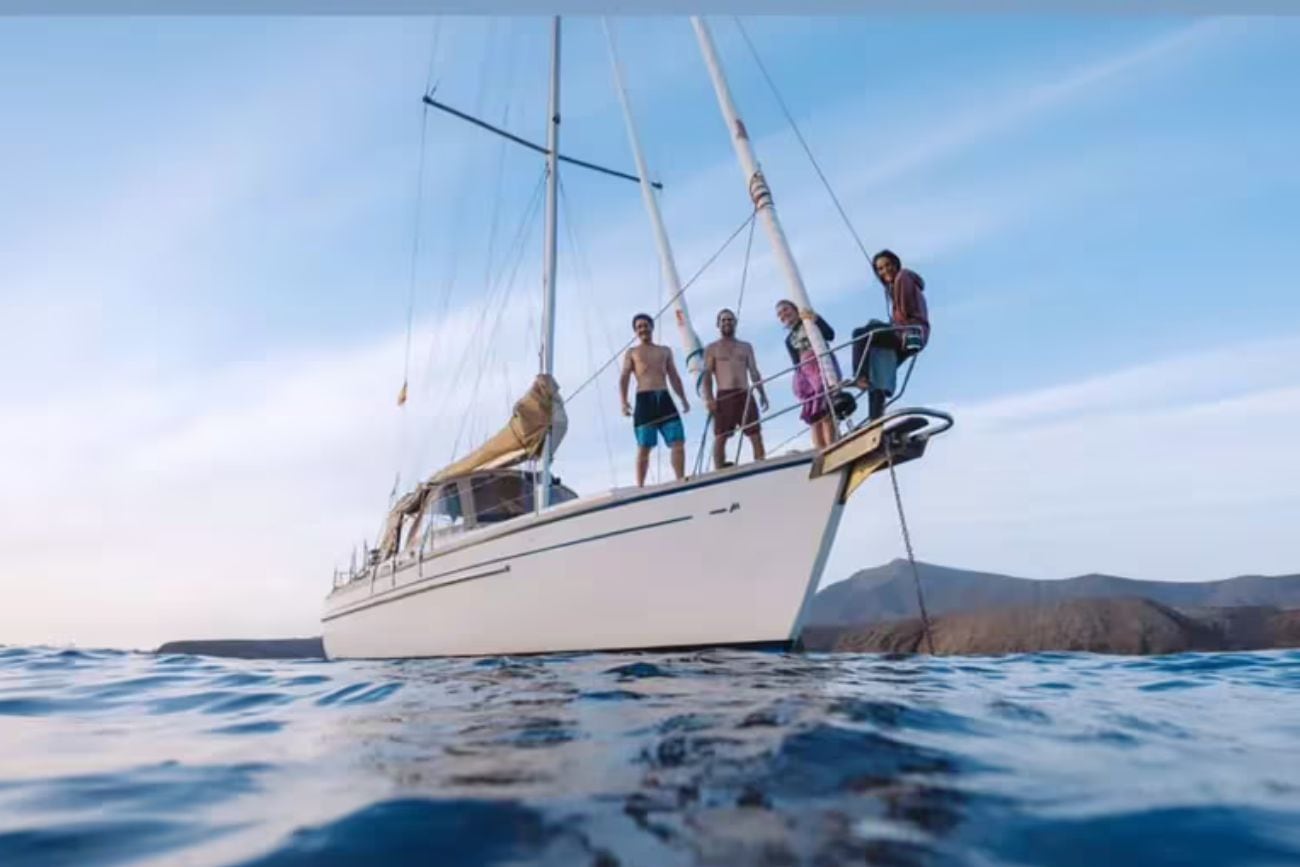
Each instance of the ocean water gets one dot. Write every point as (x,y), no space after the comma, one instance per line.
(711,757)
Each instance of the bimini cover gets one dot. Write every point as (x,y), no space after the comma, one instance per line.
(520,440)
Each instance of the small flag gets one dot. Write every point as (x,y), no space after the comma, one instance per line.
(401,395)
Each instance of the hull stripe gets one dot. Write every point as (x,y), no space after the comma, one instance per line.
(376,600)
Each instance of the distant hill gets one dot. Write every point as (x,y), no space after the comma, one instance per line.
(1122,625)
(886,592)
(265,648)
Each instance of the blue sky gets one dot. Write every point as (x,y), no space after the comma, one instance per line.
(207,245)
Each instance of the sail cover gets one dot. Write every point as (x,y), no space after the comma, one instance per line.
(521,439)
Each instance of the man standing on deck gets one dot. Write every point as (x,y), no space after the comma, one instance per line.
(655,414)
(906,333)
(732,363)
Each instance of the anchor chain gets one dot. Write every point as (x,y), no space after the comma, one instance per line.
(907,543)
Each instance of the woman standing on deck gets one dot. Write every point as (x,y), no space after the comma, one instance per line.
(808,385)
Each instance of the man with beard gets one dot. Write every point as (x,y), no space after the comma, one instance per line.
(731,362)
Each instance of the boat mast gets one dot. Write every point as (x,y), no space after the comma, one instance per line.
(690,340)
(762,198)
(542,496)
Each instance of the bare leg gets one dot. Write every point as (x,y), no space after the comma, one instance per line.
(756,444)
(719,451)
(642,464)
(679,460)
(817,435)
(823,432)
(828,430)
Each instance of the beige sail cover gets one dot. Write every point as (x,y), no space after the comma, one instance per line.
(521,439)
(523,435)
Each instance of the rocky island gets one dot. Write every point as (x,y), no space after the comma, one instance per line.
(983,613)
(875,611)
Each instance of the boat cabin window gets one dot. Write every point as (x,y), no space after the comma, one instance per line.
(442,512)
(509,495)
(446,510)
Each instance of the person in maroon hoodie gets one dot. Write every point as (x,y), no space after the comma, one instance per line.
(891,342)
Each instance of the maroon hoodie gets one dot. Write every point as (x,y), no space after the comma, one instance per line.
(907,302)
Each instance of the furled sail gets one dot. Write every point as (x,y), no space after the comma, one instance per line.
(523,435)
(521,439)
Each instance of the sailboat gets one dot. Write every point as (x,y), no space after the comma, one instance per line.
(493,555)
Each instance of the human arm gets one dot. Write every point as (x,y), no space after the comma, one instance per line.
(756,378)
(905,297)
(623,378)
(676,381)
(828,333)
(706,381)
(790,350)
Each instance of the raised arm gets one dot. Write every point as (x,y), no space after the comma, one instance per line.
(623,378)
(676,381)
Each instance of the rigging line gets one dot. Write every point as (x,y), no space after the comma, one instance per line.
(907,543)
(507,287)
(446,288)
(584,281)
(501,161)
(480,102)
(489,50)
(744,270)
(581,262)
(525,221)
(433,54)
(802,142)
(495,222)
(574,161)
(419,207)
(659,299)
(675,296)
(415,255)
(592,311)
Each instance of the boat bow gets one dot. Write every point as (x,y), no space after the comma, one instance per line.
(896,438)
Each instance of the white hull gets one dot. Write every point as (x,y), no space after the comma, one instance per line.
(732,558)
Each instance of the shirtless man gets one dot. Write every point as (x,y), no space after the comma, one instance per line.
(655,414)
(731,363)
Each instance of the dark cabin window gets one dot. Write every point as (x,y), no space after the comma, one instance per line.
(500,498)
(447,510)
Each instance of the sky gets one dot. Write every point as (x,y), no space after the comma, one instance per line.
(216,230)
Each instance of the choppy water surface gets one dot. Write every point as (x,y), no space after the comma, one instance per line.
(666,759)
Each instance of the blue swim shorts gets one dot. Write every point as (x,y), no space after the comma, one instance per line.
(647,435)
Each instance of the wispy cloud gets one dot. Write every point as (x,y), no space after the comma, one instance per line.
(934,141)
